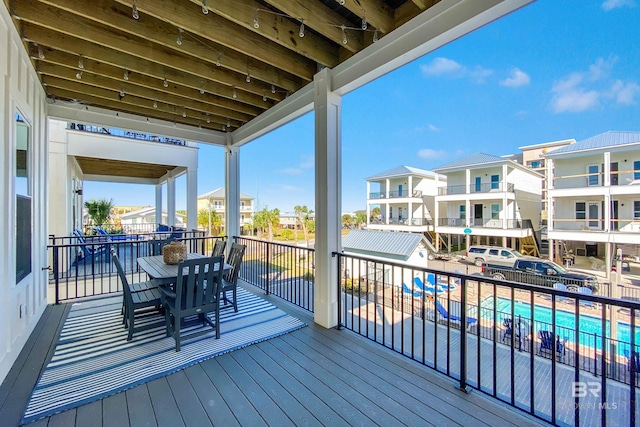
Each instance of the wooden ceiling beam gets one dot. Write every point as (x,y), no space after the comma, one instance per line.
(273,27)
(411,9)
(49,39)
(377,13)
(119,17)
(321,19)
(240,38)
(99,35)
(130,88)
(109,100)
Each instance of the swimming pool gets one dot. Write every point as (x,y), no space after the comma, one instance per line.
(565,322)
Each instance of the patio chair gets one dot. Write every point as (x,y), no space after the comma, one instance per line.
(406,290)
(196,294)
(430,290)
(520,330)
(90,251)
(230,279)
(218,248)
(156,245)
(633,361)
(139,298)
(547,339)
(442,282)
(444,315)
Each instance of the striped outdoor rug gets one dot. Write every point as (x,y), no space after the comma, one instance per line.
(93,359)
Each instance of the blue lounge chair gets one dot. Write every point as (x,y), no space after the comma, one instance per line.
(471,321)
(406,290)
(426,288)
(90,250)
(442,284)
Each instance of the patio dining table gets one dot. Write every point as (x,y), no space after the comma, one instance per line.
(166,274)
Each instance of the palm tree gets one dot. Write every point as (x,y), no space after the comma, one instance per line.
(209,220)
(99,211)
(361,218)
(266,219)
(303,216)
(347,220)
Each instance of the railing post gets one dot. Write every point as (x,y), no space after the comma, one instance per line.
(56,276)
(339,274)
(266,269)
(463,337)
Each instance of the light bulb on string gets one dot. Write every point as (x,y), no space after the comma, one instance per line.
(126,75)
(202,88)
(205,9)
(165,83)
(134,11)
(179,39)
(79,75)
(301,32)
(248,79)
(184,113)
(228,123)
(218,60)
(344,34)
(40,53)
(122,93)
(155,104)
(235,93)
(375,35)
(273,89)
(264,97)
(364,23)
(256,23)
(81,63)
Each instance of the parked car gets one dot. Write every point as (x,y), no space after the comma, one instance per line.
(497,255)
(541,272)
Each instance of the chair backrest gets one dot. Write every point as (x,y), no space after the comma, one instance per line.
(235,259)
(198,284)
(507,323)
(156,245)
(123,277)
(559,286)
(546,339)
(218,248)
(443,311)
(162,227)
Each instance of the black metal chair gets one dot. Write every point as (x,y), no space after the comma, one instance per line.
(218,248)
(195,294)
(230,279)
(138,298)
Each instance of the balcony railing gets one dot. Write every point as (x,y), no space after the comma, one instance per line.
(481,222)
(396,194)
(621,177)
(476,188)
(488,335)
(124,133)
(408,221)
(627,225)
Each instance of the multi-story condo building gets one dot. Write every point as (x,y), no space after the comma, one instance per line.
(402,199)
(490,200)
(215,201)
(594,195)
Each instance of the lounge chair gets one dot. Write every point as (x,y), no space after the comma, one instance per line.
(91,248)
(454,318)
(547,339)
(429,290)
(406,290)
(442,282)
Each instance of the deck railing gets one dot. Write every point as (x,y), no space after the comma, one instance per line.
(462,333)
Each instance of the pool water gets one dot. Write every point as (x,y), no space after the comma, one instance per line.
(565,321)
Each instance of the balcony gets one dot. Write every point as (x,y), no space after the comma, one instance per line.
(396,194)
(481,222)
(391,356)
(495,187)
(408,221)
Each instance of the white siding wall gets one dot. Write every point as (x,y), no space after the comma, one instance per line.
(575,166)
(21,304)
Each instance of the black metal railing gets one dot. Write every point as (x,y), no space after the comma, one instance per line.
(492,335)
(124,133)
(84,269)
(286,271)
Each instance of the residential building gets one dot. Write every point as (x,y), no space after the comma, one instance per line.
(594,196)
(402,199)
(147,216)
(215,200)
(490,200)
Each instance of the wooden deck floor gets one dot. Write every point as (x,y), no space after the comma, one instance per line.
(313,376)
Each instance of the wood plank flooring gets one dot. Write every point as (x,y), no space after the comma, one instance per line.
(313,376)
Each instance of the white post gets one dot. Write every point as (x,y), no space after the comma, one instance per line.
(232,191)
(171,201)
(192,199)
(328,108)
(158,204)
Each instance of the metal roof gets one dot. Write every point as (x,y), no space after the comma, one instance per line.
(382,242)
(603,140)
(472,160)
(403,171)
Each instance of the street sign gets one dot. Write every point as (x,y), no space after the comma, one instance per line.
(467,231)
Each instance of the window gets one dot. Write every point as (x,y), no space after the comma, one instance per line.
(478,184)
(506,254)
(463,212)
(592,179)
(495,182)
(636,169)
(537,164)
(593,214)
(23,168)
(636,209)
(495,211)
(581,210)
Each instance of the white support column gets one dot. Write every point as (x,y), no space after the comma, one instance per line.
(550,210)
(171,201)
(192,199)
(232,192)
(368,204)
(328,110)
(467,181)
(159,203)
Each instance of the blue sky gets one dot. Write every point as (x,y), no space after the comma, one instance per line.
(554,70)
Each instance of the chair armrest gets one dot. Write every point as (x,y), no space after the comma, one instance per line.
(164,290)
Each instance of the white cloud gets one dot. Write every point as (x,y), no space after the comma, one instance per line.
(441,66)
(306,163)
(608,5)
(429,154)
(432,128)
(289,171)
(581,91)
(516,79)
(479,74)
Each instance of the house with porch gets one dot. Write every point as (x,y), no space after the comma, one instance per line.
(215,201)
(489,200)
(594,196)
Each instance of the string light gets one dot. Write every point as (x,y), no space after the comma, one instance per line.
(375,35)
(165,83)
(79,75)
(228,123)
(301,33)
(126,75)
(184,113)
(264,97)
(235,93)
(179,39)
(81,63)
(344,34)
(155,103)
(256,24)
(364,22)
(40,53)
(122,92)
(134,11)
(248,79)
(201,88)
(223,128)
(218,60)
(341,2)
(208,119)
(205,9)
(273,89)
